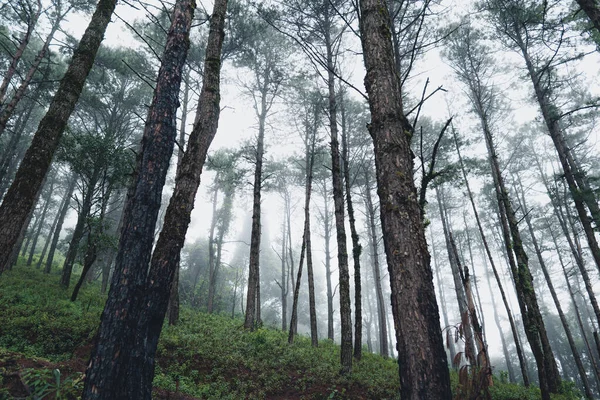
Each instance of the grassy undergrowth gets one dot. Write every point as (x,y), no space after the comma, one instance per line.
(204,356)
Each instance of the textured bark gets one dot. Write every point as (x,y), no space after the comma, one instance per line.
(490,258)
(561,314)
(592,10)
(173,308)
(61,219)
(166,255)
(356,247)
(24,191)
(383,334)
(421,357)
(338,202)
(114,370)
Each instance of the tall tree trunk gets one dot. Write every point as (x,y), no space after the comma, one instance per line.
(211,248)
(173,307)
(356,247)
(284,277)
(252,318)
(459,289)
(561,314)
(326,237)
(115,370)
(61,218)
(383,335)
(166,255)
(36,235)
(338,202)
(485,245)
(535,329)
(23,193)
(421,357)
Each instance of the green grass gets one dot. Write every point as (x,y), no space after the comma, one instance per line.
(204,356)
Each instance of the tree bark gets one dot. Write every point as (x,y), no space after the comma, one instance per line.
(421,357)
(115,370)
(592,10)
(24,191)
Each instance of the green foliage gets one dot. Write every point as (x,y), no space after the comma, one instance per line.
(38,317)
(207,356)
(45,383)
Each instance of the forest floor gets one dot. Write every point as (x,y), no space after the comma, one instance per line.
(45,342)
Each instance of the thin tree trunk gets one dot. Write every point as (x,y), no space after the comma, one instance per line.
(61,218)
(24,191)
(459,289)
(356,247)
(326,237)
(173,307)
(284,279)
(383,334)
(449,338)
(211,248)
(36,235)
(253,301)
(421,357)
(115,370)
